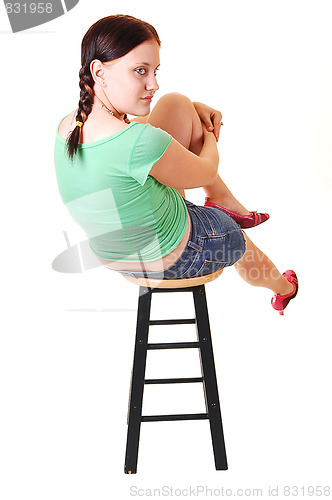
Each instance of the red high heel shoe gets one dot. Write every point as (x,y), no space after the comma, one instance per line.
(279,302)
(244,221)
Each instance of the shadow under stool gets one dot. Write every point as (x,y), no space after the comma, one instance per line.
(148,287)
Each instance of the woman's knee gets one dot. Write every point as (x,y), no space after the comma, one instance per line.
(175,113)
(176,101)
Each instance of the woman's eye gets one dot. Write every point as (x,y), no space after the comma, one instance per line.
(143,71)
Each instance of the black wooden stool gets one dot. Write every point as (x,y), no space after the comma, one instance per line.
(204,344)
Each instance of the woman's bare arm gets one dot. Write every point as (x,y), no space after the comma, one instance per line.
(182,169)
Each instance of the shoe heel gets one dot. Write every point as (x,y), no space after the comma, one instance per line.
(281,313)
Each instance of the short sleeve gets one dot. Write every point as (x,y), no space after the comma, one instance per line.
(150,145)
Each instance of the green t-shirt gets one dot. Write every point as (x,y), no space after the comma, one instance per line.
(126,214)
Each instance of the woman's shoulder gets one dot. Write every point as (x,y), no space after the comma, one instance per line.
(94,129)
(103,126)
(66,125)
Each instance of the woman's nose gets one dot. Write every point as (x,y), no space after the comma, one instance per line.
(152,85)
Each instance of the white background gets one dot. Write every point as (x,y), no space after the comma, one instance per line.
(67,339)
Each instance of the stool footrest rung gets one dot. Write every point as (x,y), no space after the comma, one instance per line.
(173,345)
(183,416)
(173,380)
(177,290)
(173,321)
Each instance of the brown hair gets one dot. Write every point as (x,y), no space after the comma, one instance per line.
(107,39)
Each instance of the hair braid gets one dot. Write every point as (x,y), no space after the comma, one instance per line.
(84,109)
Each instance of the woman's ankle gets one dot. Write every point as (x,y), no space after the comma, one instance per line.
(285,287)
(230,203)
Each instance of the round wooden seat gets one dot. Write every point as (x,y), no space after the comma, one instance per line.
(177,283)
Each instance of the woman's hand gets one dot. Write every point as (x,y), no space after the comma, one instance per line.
(210,117)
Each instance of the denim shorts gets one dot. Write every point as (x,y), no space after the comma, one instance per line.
(215,241)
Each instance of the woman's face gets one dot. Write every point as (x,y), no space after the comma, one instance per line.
(131,79)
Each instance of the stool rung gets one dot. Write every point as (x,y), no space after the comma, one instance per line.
(173,345)
(183,416)
(173,380)
(172,322)
(177,290)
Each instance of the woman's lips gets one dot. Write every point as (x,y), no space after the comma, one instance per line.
(147,98)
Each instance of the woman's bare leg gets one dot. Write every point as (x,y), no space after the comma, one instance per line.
(257,270)
(176,114)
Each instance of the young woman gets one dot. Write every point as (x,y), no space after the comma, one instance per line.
(123,181)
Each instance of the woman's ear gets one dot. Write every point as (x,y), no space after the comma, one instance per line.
(97,71)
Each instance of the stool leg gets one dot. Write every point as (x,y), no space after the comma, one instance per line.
(210,379)
(137,380)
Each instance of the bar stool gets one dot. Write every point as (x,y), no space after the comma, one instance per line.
(147,287)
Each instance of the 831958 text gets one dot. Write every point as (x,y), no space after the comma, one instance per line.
(29,8)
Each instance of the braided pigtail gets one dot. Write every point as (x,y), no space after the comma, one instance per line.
(84,109)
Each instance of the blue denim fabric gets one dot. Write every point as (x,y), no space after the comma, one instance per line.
(216,241)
